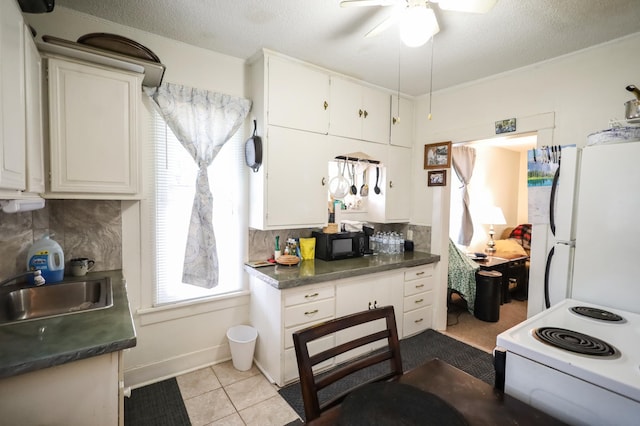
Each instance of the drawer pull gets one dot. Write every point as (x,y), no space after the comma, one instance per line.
(419,285)
(419,300)
(418,320)
(315,311)
(309,296)
(420,273)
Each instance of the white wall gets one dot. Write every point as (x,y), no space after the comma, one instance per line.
(170,340)
(577,94)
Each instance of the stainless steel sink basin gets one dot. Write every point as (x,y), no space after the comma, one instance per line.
(55,300)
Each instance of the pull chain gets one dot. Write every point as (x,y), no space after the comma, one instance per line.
(431,80)
(399,54)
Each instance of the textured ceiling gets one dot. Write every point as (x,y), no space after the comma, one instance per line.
(515,33)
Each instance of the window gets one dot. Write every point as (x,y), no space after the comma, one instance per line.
(175,177)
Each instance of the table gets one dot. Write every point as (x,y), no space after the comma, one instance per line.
(478,402)
(509,268)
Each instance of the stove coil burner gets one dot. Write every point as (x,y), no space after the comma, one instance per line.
(596,313)
(574,341)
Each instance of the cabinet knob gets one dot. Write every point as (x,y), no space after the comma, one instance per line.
(420,273)
(395,120)
(365,113)
(315,311)
(419,300)
(308,296)
(419,320)
(326,105)
(324,181)
(360,112)
(419,285)
(390,184)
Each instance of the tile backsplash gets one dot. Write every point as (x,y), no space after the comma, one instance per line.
(83,228)
(262,243)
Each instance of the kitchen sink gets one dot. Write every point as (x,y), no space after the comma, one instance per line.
(54,300)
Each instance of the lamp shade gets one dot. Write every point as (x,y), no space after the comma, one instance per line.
(493,216)
(417,25)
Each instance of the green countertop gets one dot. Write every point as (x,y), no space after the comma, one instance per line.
(42,343)
(316,271)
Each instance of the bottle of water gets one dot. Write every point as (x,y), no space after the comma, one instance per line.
(401,243)
(385,243)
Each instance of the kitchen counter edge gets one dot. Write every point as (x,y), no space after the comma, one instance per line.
(317,271)
(43,343)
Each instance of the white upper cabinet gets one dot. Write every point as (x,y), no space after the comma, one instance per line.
(93,135)
(12,98)
(34,117)
(402,122)
(290,190)
(392,204)
(358,111)
(297,96)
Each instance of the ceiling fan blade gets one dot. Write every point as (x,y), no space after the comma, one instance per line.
(470,6)
(386,23)
(364,3)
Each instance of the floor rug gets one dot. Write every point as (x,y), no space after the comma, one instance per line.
(158,404)
(415,351)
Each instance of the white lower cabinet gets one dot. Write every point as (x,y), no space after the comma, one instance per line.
(84,392)
(418,299)
(277,314)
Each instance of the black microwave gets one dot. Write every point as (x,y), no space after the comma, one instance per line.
(341,245)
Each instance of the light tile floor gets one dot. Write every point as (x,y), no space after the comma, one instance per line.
(221,395)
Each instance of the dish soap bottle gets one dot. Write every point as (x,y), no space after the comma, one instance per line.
(47,256)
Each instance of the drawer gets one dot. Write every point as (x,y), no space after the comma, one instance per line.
(418,272)
(291,363)
(418,286)
(308,295)
(288,332)
(417,320)
(309,312)
(419,300)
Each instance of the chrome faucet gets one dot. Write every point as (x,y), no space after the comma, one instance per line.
(38,279)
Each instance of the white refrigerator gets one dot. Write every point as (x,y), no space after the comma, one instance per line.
(594,232)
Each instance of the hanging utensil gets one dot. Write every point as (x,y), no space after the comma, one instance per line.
(364,189)
(339,185)
(632,107)
(354,188)
(376,188)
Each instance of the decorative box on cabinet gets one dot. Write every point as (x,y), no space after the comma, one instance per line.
(358,111)
(12,98)
(93,131)
(418,299)
(290,190)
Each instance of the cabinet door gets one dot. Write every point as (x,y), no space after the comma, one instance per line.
(93,129)
(298,96)
(296,187)
(12,103)
(401,122)
(376,118)
(398,184)
(33,93)
(345,111)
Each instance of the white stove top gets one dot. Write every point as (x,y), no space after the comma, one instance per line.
(620,374)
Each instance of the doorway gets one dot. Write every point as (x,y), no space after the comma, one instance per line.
(499,179)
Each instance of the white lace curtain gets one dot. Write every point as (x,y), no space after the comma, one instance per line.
(203,122)
(464,159)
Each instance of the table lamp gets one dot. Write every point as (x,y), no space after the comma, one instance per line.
(493,216)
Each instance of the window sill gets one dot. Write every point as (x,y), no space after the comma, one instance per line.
(174,311)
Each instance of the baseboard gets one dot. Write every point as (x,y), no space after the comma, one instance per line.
(155,372)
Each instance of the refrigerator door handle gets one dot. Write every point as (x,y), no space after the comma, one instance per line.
(547,268)
(552,201)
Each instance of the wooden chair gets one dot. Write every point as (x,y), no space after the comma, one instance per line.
(311,384)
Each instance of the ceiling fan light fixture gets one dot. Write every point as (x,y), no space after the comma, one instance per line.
(417,25)
(470,6)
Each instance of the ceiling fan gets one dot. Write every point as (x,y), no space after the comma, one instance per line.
(417,19)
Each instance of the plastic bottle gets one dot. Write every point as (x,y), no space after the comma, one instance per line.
(47,256)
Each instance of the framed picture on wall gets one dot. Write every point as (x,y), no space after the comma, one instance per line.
(437,178)
(437,155)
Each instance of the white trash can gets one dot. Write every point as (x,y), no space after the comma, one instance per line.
(242,341)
